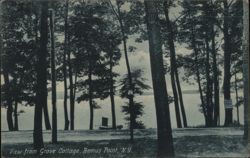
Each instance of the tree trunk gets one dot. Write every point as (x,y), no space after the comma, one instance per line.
(16,117)
(90,96)
(198,76)
(201,96)
(164,130)
(45,108)
(236,97)
(227,65)
(112,100)
(131,97)
(66,118)
(41,90)
(45,112)
(246,70)
(6,82)
(181,99)
(176,103)
(216,82)
(75,82)
(53,79)
(1,45)
(173,65)
(71,89)
(9,101)
(208,87)
(46,115)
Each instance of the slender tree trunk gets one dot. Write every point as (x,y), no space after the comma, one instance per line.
(112,99)
(53,79)
(71,86)
(164,130)
(183,112)
(90,96)
(173,66)
(45,112)
(66,119)
(212,84)
(71,89)
(176,103)
(9,101)
(41,91)
(198,76)
(131,97)
(236,97)
(46,115)
(65,105)
(1,45)
(216,82)
(246,70)
(201,96)
(16,117)
(75,82)
(227,65)
(208,87)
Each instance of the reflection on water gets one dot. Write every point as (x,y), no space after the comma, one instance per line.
(191,101)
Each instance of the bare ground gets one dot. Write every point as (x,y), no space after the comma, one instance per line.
(192,142)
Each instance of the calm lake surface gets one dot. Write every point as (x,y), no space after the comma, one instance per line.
(191,101)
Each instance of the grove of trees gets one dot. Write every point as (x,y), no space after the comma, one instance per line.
(78,43)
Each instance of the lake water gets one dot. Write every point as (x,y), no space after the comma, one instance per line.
(191,101)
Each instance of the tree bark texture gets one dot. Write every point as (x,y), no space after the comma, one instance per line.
(164,130)
(41,90)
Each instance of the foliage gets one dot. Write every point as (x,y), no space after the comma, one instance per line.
(138,89)
(18,53)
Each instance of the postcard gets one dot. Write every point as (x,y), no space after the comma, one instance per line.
(124,78)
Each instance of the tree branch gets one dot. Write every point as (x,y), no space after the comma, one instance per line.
(113,9)
(230,3)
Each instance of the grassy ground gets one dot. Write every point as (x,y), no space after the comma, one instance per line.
(186,146)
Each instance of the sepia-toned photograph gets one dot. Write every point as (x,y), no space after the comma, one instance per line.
(124,78)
